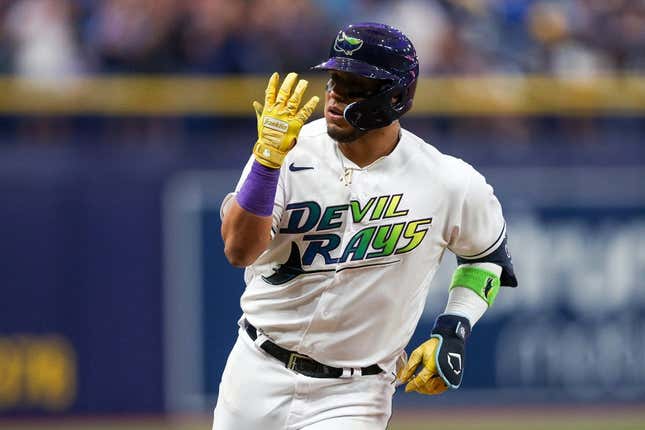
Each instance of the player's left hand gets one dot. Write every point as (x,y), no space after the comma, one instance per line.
(442,357)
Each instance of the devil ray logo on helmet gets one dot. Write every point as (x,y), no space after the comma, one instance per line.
(346,44)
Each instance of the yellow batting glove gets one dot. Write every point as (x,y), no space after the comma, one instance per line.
(279,120)
(428,380)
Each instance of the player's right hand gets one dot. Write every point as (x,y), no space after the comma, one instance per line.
(279,120)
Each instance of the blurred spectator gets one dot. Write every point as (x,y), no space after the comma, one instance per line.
(425,23)
(43,41)
(52,37)
(209,39)
(136,35)
(284,35)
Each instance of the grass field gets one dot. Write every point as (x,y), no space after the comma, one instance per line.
(597,418)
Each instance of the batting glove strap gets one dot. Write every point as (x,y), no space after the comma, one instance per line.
(452,332)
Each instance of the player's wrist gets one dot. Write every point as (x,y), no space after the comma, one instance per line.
(464,302)
(257,194)
(450,325)
(268,156)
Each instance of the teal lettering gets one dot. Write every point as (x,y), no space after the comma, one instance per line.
(320,244)
(358,245)
(331,213)
(296,225)
(357,213)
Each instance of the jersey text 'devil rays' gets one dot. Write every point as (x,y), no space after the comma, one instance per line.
(385,240)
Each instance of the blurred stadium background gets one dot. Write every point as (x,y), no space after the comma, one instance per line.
(124,122)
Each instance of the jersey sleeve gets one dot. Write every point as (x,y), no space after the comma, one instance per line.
(278,204)
(479,227)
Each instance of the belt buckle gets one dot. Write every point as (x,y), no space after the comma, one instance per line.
(293,360)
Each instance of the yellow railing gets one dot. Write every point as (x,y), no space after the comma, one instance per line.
(232,95)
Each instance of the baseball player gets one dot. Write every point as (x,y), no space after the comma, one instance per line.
(341,235)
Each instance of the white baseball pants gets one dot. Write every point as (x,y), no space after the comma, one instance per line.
(258,392)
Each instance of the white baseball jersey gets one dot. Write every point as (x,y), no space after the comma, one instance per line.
(354,250)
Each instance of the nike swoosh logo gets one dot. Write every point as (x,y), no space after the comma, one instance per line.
(295,168)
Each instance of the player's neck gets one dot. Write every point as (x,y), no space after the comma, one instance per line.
(373,145)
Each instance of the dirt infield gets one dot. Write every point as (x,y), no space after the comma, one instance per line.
(498,418)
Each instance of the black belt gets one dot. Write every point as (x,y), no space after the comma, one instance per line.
(304,364)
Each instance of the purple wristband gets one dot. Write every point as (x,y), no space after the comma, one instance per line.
(257,194)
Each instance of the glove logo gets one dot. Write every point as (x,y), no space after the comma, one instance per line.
(454,360)
(487,288)
(276,124)
(346,44)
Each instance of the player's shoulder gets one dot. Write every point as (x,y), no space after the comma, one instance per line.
(313,129)
(446,167)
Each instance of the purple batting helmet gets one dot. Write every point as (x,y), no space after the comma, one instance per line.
(376,51)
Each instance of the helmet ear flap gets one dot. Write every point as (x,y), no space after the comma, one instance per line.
(382,109)
(403,103)
(376,112)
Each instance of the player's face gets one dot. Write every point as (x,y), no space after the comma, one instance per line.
(342,89)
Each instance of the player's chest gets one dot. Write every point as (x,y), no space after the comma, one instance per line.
(354,215)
